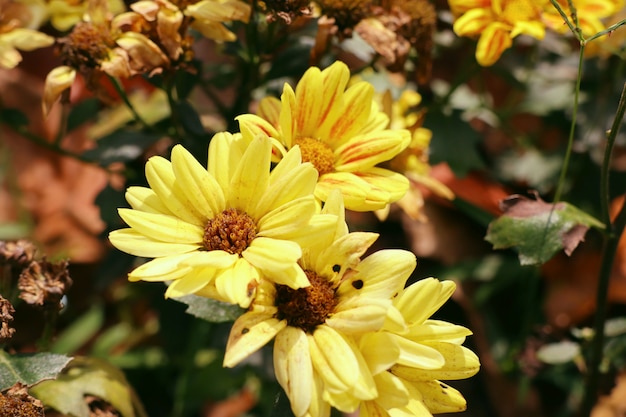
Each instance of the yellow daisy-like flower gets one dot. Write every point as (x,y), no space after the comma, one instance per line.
(496,22)
(316,358)
(217,231)
(208,17)
(413,353)
(341,132)
(64,14)
(15,35)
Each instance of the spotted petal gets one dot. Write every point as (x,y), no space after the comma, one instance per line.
(249,333)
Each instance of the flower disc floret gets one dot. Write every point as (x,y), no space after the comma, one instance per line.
(231,231)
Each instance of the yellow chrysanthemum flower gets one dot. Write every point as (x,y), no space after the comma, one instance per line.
(64,14)
(412,353)
(341,132)
(216,232)
(496,22)
(316,358)
(15,34)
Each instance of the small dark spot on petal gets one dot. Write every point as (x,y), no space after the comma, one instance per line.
(245,330)
(444,386)
(358,284)
(336,268)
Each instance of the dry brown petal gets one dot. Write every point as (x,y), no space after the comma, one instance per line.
(6,317)
(44,283)
(16,402)
(18,253)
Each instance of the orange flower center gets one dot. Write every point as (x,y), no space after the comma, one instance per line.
(307,307)
(317,153)
(231,231)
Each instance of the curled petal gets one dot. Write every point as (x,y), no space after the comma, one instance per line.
(57,81)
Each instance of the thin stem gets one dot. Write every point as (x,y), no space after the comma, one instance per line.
(573,28)
(610,248)
(65,112)
(570,140)
(127,102)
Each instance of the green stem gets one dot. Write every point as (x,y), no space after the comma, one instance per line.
(570,140)
(65,112)
(127,102)
(51,313)
(612,238)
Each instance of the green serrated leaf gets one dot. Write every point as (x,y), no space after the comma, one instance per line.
(538,230)
(86,376)
(29,369)
(210,310)
(556,353)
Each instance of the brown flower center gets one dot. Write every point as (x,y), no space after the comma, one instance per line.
(317,153)
(308,307)
(231,231)
(86,46)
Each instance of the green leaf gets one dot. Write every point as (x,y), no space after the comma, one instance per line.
(210,310)
(538,230)
(13,118)
(80,331)
(189,119)
(29,368)
(454,142)
(121,146)
(556,353)
(86,376)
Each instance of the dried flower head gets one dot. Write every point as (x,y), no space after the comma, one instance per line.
(346,14)
(44,283)
(6,317)
(287,10)
(18,253)
(16,402)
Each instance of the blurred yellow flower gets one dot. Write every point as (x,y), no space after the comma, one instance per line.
(316,358)
(215,232)
(590,15)
(412,353)
(341,132)
(208,17)
(16,35)
(413,161)
(496,22)
(63,14)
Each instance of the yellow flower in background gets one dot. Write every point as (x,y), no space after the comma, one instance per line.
(216,232)
(16,34)
(316,358)
(496,23)
(341,132)
(64,14)
(209,16)
(590,15)
(413,161)
(413,353)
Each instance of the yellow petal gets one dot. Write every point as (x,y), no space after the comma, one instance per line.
(269,109)
(357,316)
(392,392)
(473,22)
(421,299)
(418,355)
(293,368)
(380,275)
(145,199)
(308,101)
(162,227)
(252,125)
(144,54)
(190,283)
(277,261)
(200,188)
(365,151)
(441,398)
(225,153)
(342,254)
(494,40)
(384,182)
(217,259)
(130,241)
(57,81)
(251,177)
(219,11)
(237,283)
(26,39)
(436,330)
(348,119)
(287,219)
(249,333)
(162,180)
(333,359)
(287,122)
(160,269)
(379,351)
(297,186)
(460,363)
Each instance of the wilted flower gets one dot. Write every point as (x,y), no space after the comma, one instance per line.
(16,35)
(217,231)
(412,353)
(341,132)
(44,283)
(316,358)
(19,253)
(496,22)
(6,317)
(63,14)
